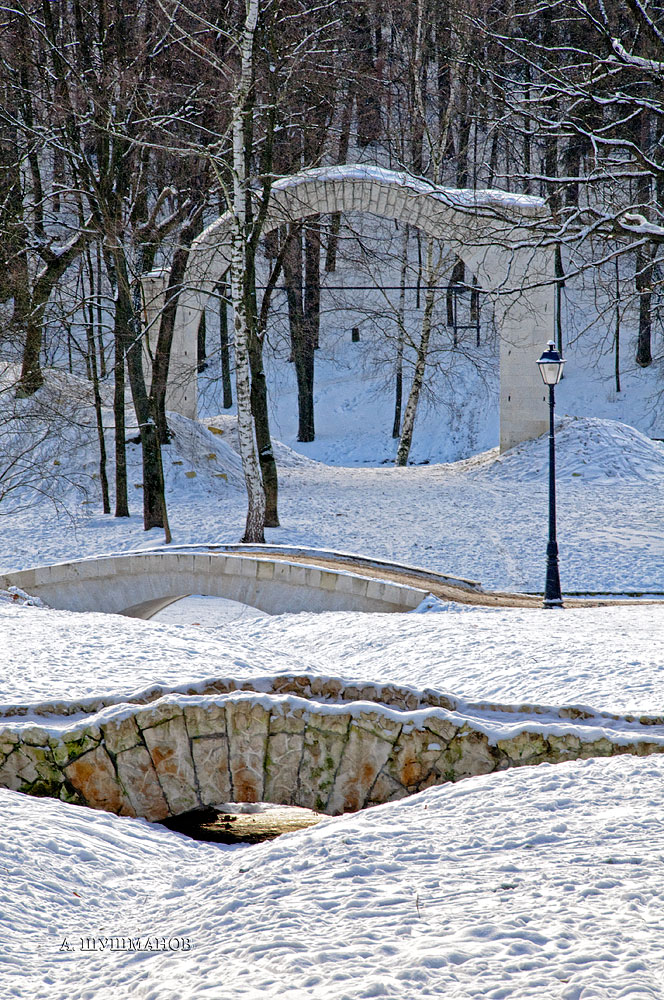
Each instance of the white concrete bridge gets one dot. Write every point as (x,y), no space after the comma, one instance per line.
(276,579)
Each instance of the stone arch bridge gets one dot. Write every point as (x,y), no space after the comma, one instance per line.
(316,742)
(498,236)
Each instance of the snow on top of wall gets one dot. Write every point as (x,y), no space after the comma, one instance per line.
(495,722)
(587,448)
(461,197)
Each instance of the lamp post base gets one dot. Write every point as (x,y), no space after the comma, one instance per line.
(553,597)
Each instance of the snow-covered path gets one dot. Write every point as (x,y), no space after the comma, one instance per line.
(610,534)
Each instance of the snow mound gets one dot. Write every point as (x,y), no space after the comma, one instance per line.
(587,448)
(536,882)
(49,448)
(226,426)
(14,595)
(45,440)
(434,605)
(203,450)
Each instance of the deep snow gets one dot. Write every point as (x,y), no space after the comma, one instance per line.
(541,882)
(537,882)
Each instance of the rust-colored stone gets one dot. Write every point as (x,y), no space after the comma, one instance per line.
(168,744)
(139,779)
(94,777)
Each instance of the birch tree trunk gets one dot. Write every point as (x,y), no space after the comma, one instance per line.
(255,526)
(420,364)
(435,148)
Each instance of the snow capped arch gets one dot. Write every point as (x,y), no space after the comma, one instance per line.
(493,232)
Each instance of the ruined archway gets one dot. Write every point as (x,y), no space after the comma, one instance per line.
(493,232)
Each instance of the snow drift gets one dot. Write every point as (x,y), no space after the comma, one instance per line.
(587,448)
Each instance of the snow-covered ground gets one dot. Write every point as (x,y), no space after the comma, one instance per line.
(482,518)
(542,882)
(606,659)
(538,882)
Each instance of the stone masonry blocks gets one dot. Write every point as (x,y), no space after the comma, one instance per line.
(325,738)
(210,757)
(335,749)
(365,754)
(139,779)
(247,724)
(94,777)
(169,748)
(285,748)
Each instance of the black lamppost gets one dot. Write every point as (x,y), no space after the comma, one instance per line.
(551,370)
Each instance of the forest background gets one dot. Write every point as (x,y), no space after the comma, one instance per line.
(126,128)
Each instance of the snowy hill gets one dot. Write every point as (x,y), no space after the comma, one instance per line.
(586,448)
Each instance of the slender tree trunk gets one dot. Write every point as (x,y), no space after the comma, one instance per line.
(201,362)
(463,131)
(401,320)
(100,317)
(644,269)
(128,335)
(121,499)
(616,336)
(368,96)
(457,278)
(344,141)
(643,356)
(418,282)
(255,524)
(420,364)
(226,384)
(301,340)
(475,309)
(312,281)
(493,158)
(103,477)
(560,284)
(94,377)
(162,352)
(259,409)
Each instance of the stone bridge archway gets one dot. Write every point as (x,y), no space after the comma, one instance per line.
(277,585)
(317,742)
(495,233)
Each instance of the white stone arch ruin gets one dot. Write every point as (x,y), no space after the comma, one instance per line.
(495,233)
